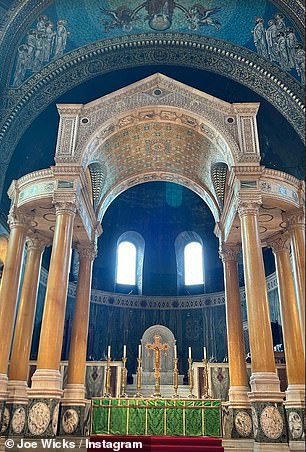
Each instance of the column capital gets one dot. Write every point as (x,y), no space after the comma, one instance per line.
(65,207)
(89,251)
(279,243)
(248,207)
(16,219)
(229,252)
(295,218)
(37,242)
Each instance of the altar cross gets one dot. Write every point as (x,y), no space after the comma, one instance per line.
(157,346)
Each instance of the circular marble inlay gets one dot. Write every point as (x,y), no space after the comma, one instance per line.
(255,421)
(39,418)
(70,421)
(18,420)
(271,422)
(295,425)
(55,419)
(243,423)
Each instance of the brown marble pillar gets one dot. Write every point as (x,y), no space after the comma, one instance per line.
(290,321)
(46,381)
(264,380)
(238,392)
(75,389)
(9,291)
(296,227)
(19,364)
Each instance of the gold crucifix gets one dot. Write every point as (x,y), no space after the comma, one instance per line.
(157,346)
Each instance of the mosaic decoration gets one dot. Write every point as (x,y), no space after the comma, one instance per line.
(279,43)
(43,43)
(65,25)
(159,15)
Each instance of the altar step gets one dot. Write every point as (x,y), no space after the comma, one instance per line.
(169,443)
(166,390)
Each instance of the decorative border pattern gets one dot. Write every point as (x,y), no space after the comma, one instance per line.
(149,302)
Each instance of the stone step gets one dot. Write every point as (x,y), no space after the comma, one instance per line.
(166,390)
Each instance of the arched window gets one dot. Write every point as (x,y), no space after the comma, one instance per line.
(126,263)
(193,264)
(189,252)
(129,263)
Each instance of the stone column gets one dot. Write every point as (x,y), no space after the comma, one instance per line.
(74,393)
(268,419)
(236,351)
(296,227)
(295,363)
(237,422)
(19,363)
(9,291)
(46,381)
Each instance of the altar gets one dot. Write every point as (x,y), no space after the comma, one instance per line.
(156,417)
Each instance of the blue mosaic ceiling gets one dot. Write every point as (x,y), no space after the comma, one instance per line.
(67,25)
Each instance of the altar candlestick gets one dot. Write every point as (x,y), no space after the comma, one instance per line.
(204,353)
(109,351)
(139,351)
(189,352)
(124,351)
(175,352)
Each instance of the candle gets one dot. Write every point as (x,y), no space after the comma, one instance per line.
(189,352)
(175,352)
(139,351)
(204,352)
(124,351)
(108,351)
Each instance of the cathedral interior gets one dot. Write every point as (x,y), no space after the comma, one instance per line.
(156,124)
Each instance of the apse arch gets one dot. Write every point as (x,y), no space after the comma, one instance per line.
(214,55)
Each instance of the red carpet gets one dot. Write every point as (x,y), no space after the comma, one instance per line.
(159,443)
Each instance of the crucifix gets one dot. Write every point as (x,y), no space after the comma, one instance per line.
(157,346)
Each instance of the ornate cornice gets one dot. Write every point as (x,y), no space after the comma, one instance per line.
(211,54)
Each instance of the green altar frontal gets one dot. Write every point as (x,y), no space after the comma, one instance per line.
(171,417)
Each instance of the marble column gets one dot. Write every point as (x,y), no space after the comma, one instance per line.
(9,292)
(296,227)
(237,421)
(74,394)
(265,396)
(235,339)
(294,353)
(19,363)
(46,381)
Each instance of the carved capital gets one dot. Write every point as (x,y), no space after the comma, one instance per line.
(65,208)
(279,243)
(248,208)
(229,252)
(36,242)
(87,251)
(16,219)
(295,219)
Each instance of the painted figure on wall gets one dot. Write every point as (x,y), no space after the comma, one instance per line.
(160,15)
(260,38)
(279,44)
(42,45)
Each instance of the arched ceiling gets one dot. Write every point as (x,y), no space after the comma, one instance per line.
(215,43)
